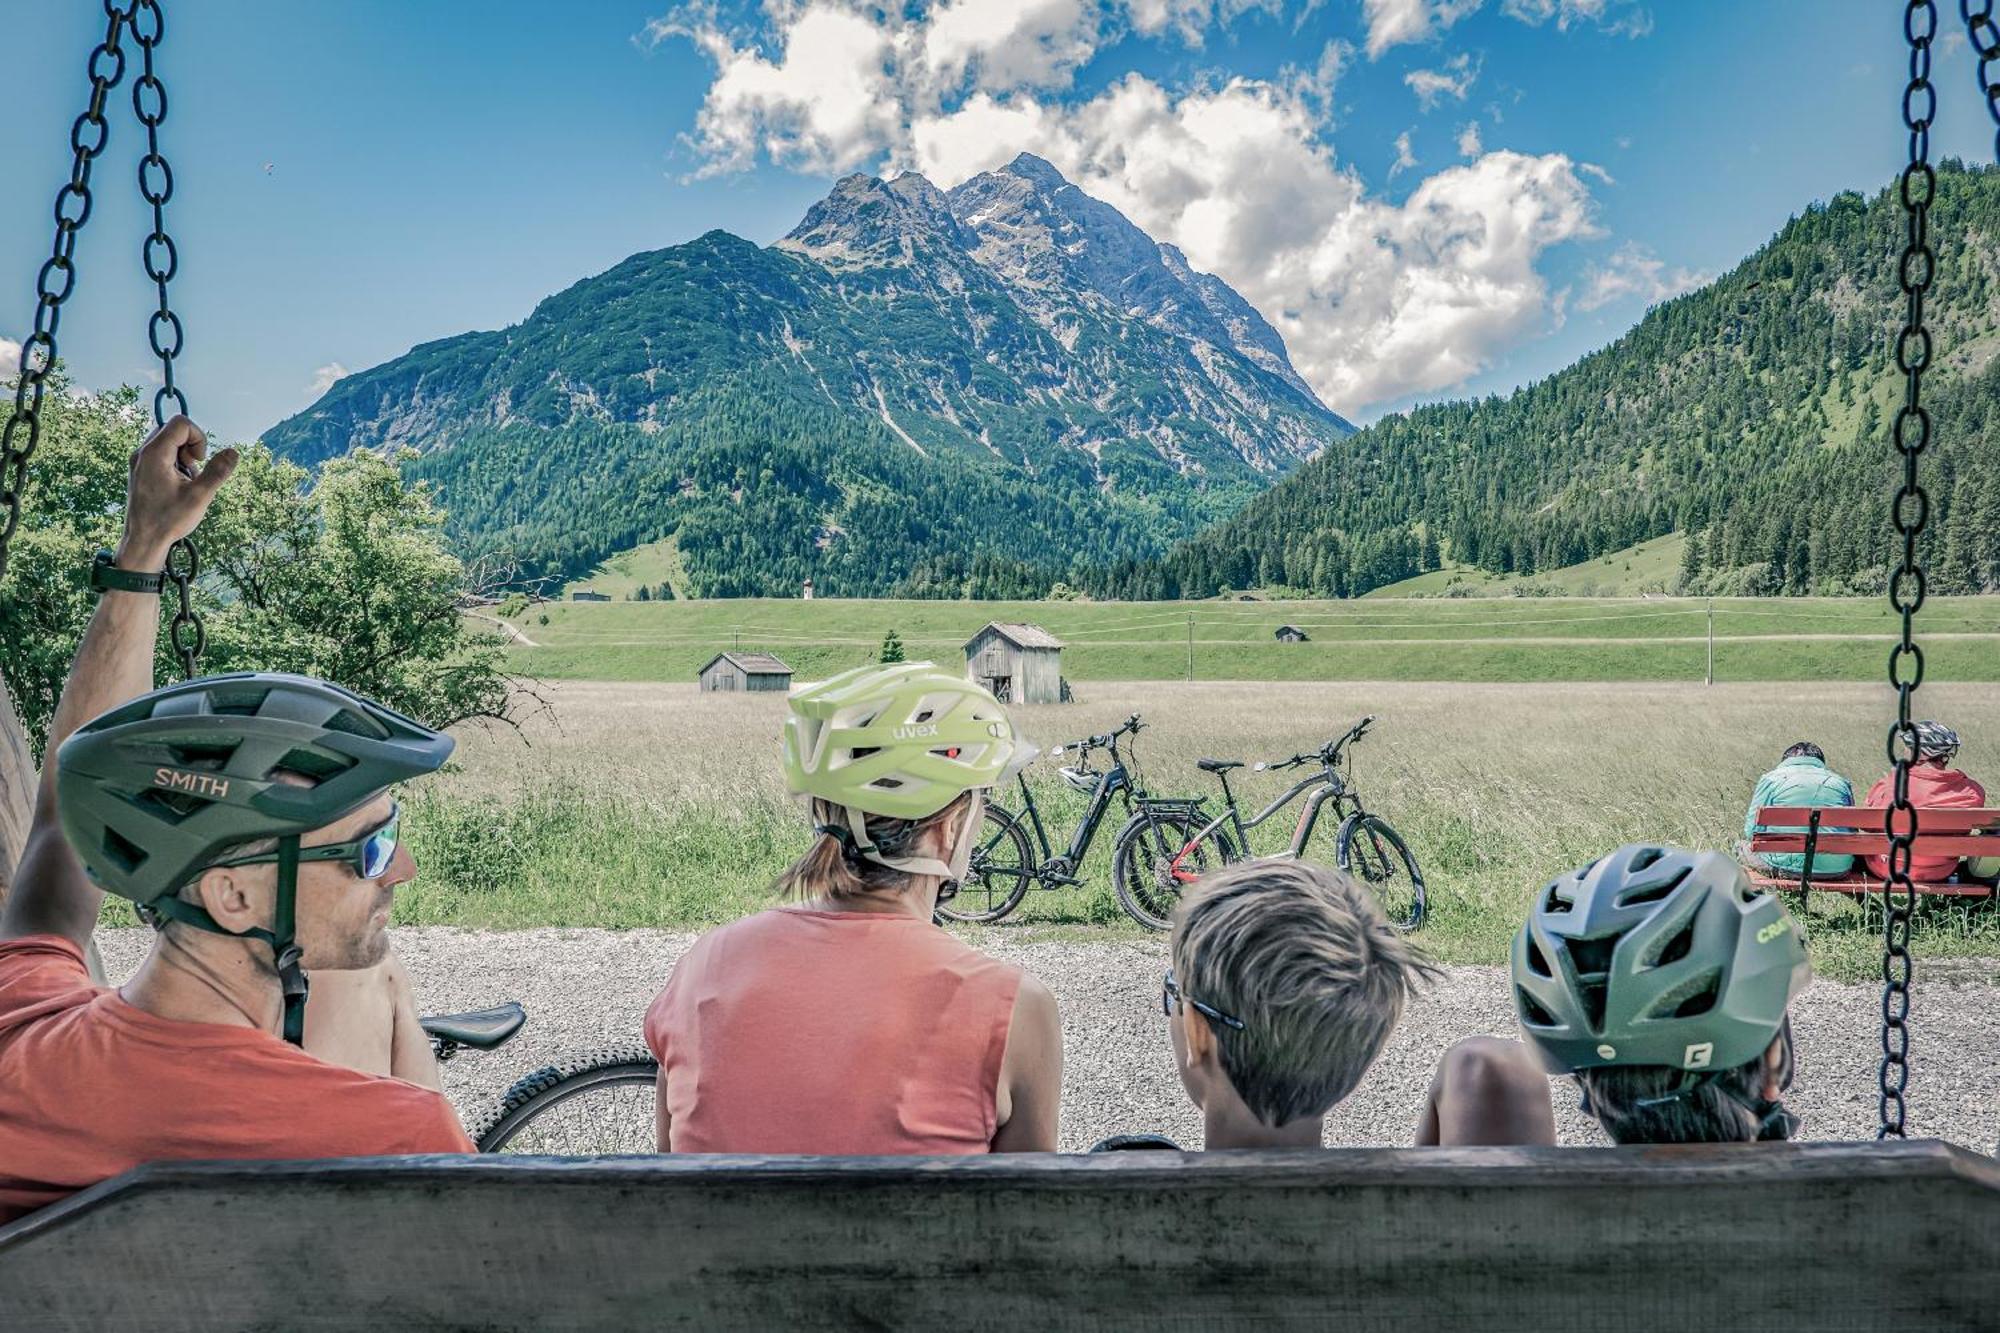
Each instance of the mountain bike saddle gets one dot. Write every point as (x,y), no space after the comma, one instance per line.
(479,1029)
(1217,765)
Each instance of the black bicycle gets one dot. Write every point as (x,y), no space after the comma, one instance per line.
(588,1105)
(1015,854)
(1364,845)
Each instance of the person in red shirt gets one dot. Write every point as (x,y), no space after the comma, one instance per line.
(1934,783)
(247,817)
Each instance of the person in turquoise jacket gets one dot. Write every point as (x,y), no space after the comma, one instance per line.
(1801,778)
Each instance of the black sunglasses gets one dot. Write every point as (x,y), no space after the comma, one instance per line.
(368,856)
(1170,995)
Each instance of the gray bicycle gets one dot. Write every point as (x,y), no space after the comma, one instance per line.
(1362,844)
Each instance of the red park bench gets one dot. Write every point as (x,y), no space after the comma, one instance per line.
(1861,830)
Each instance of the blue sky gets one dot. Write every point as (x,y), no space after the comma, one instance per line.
(436,168)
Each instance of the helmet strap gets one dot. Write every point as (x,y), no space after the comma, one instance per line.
(284,944)
(864,847)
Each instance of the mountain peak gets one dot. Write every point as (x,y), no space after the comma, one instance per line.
(1038,170)
(866,221)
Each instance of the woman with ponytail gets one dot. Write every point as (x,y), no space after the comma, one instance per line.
(845,1021)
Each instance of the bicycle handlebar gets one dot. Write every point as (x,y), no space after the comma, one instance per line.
(1326,754)
(1131,726)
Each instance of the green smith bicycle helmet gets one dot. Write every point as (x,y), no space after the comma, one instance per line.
(902,742)
(1655,956)
(154,791)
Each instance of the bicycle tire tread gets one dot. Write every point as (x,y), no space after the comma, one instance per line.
(528,1087)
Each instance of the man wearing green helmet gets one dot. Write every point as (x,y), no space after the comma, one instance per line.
(847,1022)
(248,818)
(1659,979)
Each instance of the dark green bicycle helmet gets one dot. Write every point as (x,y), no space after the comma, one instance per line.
(1655,956)
(153,791)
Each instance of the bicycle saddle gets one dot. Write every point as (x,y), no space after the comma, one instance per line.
(1217,765)
(481,1029)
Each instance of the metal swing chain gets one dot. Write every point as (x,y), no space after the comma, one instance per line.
(163,327)
(87,137)
(1984,35)
(1907,585)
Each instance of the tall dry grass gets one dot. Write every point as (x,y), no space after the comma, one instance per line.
(635,804)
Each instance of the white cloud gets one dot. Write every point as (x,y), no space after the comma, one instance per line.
(1620,18)
(1454,80)
(1191,18)
(10,358)
(1010,43)
(1393,22)
(1376,301)
(1468,140)
(1633,270)
(1396,22)
(326,377)
(1405,159)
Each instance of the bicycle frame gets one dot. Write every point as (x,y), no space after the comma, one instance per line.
(1114,781)
(1332,788)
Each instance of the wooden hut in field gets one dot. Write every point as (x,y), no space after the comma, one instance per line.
(741,673)
(1291,634)
(1021,664)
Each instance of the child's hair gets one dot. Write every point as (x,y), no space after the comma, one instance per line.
(829,870)
(1304,957)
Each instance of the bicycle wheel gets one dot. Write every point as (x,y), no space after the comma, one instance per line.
(1376,855)
(1003,866)
(1154,859)
(586,1106)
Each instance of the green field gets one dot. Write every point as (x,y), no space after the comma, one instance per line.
(657,805)
(1481,639)
(1649,567)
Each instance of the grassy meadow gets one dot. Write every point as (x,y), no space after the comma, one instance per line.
(1514,639)
(635,804)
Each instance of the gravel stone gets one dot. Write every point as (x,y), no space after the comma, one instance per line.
(590,988)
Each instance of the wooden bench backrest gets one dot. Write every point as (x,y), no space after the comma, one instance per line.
(1860,830)
(1816,1236)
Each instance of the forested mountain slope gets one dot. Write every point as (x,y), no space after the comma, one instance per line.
(1752,414)
(910,392)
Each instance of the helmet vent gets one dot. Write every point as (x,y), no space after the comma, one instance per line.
(127,855)
(887,784)
(316,766)
(351,723)
(1641,894)
(1677,946)
(203,758)
(1645,857)
(170,807)
(1538,964)
(1682,1004)
(1557,900)
(1592,961)
(1534,1014)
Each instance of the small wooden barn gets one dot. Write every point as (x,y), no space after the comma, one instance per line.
(589,595)
(738,673)
(1292,634)
(1021,664)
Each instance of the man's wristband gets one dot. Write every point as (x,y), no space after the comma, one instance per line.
(107,577)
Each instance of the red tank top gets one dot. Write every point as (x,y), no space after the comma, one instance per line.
(845,1033)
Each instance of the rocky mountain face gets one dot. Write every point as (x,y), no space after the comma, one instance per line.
(1014,325)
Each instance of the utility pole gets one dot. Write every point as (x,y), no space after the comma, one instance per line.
(1190,647)
(1711,643)
(737,630)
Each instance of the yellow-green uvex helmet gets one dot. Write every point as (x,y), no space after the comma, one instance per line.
(900,741)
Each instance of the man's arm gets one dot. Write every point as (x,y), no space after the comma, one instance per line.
(166,496)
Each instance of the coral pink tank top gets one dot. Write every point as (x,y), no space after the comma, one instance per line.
(798,1031)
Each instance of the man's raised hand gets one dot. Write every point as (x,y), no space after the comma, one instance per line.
(170,489)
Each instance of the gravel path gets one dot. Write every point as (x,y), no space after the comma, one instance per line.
(586,988)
